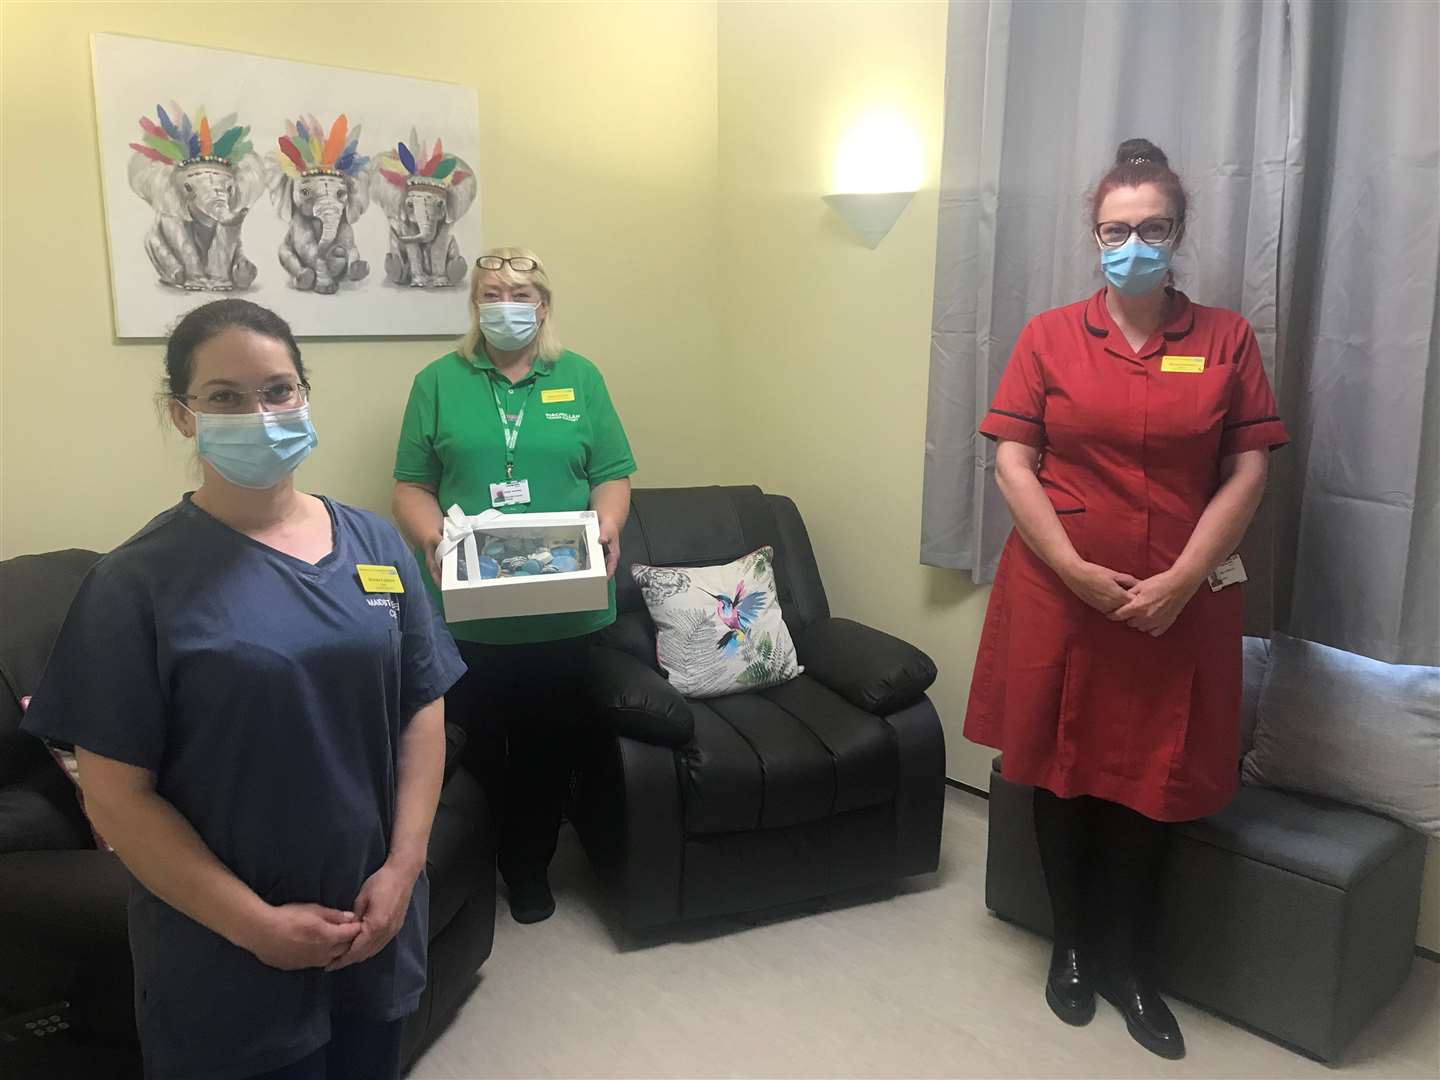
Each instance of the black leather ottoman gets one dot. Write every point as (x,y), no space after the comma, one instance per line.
(1294,915)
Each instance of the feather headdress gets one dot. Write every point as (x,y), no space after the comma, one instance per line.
(175,140)
(416,164)
(305,149)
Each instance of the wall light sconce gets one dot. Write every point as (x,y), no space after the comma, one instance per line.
(877,171)
(870,213)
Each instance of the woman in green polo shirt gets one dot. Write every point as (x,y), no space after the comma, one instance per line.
(511,404)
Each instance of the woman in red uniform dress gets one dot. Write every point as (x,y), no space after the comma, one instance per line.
(1133,432)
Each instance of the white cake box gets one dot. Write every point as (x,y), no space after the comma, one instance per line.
(467,595)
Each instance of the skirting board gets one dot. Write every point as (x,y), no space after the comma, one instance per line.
(966,787)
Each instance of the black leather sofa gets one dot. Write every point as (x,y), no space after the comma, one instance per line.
(63,902)
(834,780)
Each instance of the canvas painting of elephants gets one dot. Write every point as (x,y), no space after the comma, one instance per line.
(345,200)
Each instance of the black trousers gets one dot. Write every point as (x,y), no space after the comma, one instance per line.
(1102,866)
(519,705)
(358,1049)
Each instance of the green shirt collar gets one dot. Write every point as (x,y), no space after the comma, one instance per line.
(481,362)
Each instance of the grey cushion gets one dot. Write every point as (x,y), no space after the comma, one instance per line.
(1348,728)
(1257,667)
(1321,840)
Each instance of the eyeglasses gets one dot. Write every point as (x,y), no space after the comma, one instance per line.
(229,399)
(519,263)
(1155,230)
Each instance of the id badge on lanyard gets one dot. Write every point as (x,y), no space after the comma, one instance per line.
(511,492)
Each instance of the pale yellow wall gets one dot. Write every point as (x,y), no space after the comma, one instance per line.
(599,147)
(827,342)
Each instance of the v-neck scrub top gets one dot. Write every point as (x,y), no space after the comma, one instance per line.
(570,441)
(1131,445)
(268,695)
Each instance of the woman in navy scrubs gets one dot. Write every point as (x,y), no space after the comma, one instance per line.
(254,686)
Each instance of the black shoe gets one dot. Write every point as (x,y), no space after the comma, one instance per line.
(1069,989)
(531,900)
(1148,1018)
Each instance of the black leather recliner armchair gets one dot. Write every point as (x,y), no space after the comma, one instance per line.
(834,780)
(63,934)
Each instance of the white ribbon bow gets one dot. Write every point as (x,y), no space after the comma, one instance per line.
(460,529)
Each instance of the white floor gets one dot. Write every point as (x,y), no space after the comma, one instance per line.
(922,981)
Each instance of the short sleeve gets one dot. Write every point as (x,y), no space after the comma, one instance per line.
(102,689)
(1018,411)
(416,461)
(1251,421)
(429,661)
(610,456)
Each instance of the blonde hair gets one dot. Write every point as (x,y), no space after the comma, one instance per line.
(472,345)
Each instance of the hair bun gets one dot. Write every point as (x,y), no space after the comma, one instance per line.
(1140,152)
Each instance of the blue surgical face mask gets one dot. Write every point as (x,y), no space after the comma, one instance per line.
(1135,266)
(509,327)
(256,449)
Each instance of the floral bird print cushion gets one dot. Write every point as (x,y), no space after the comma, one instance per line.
(719,628)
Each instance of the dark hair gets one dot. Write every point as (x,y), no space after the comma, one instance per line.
(1139,161)
(209,320)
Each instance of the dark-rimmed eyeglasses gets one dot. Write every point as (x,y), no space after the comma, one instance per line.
(519,263)
(1155,230)
(232,399)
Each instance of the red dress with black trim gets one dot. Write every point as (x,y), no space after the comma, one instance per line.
(1131,444)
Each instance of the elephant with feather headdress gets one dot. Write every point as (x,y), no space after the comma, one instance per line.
(201,179)
(423,191)
(320,184)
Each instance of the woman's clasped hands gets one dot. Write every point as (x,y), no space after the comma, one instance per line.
(1153,605)
(1150,606)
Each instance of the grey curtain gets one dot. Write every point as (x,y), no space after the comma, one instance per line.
(1356,500)
(1308,136)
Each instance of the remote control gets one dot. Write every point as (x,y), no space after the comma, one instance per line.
(38,1023)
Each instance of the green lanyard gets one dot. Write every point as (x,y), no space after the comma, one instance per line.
(512,431)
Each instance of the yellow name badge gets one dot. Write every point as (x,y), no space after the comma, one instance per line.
(379,578)
(1190,365)
(555,397)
